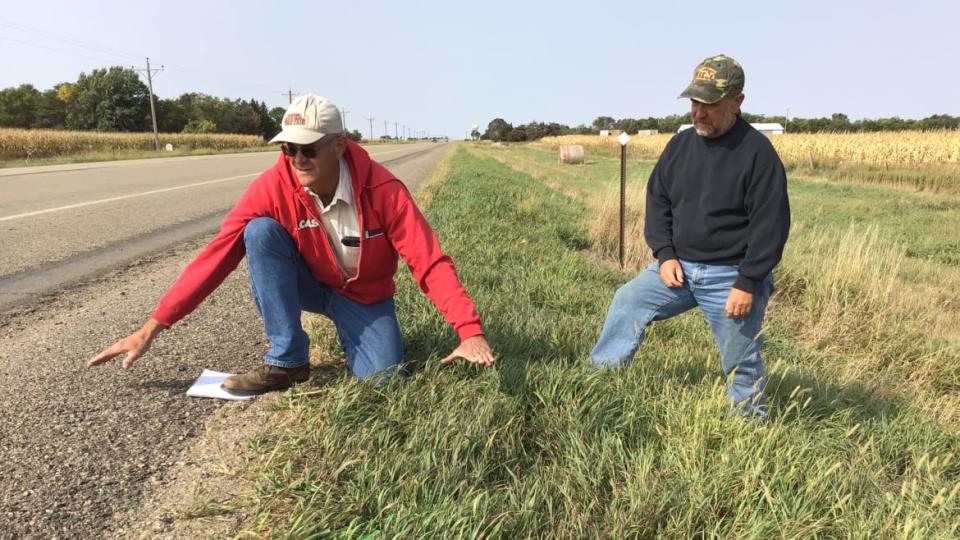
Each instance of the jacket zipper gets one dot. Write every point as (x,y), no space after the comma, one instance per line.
(356,201)
(312,211)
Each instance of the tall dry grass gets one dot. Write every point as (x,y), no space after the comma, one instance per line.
(883,149)
(604,226)
(646,147)
(46,143)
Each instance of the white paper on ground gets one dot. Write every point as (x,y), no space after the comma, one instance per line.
(208,385)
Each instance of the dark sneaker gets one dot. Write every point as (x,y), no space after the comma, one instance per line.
(266,378)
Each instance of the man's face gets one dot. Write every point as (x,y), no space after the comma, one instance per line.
(714,119)
(323,167)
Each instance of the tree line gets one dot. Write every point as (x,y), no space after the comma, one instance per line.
(115,99)
(501,130)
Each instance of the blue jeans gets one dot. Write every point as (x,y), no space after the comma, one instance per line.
(283,286)
(645,299)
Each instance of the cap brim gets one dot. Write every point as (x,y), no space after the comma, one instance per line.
(703,93)
(298,136)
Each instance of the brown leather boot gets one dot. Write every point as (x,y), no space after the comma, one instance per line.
(266,378)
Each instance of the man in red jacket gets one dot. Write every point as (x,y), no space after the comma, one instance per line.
(322,230)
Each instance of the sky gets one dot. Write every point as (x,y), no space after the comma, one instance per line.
(443,67)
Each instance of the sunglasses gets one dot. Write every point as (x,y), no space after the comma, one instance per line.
(308,151)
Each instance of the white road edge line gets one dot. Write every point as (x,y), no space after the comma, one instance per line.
(122,197)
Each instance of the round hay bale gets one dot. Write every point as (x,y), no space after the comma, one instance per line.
(571,153)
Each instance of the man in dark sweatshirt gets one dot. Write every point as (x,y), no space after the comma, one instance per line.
(717,220)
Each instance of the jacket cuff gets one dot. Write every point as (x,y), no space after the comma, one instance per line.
(469,330)
(665,254)
(745,284)
(161,316)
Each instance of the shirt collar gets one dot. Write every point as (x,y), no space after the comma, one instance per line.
(344,190)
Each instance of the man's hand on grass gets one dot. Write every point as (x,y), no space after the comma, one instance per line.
(474,349)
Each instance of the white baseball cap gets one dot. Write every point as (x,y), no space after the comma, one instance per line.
(308,119)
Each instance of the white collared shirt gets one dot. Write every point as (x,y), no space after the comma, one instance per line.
(339,220)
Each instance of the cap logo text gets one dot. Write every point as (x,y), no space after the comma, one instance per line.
(705,74)
(294,119)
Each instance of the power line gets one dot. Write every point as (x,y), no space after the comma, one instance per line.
(66,39)
(100,59)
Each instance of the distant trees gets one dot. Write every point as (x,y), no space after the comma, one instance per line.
(497,130)
(115,99)
(200,113)
(601,123)
(276,114)
(501,130)
(51,106)
(18,106)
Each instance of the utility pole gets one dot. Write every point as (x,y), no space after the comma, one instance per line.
(343,114)
(289,93)
(404,128)
(385,132)
(395,131)
(153,111)
(371,119)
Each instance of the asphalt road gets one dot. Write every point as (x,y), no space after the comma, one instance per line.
(61,224)
(80,446)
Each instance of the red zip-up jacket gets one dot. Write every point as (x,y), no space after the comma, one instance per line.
(390,222)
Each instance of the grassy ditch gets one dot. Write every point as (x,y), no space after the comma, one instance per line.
(543,445)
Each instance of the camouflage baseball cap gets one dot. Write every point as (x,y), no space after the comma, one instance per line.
(714,78)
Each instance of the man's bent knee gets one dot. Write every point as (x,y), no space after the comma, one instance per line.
(261,228)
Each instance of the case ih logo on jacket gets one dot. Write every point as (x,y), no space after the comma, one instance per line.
(308,224)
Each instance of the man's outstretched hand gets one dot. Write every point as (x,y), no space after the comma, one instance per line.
(474,349)
(135,345)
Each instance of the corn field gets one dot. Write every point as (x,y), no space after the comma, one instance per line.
(648,147)
(882,149)
(38,143)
